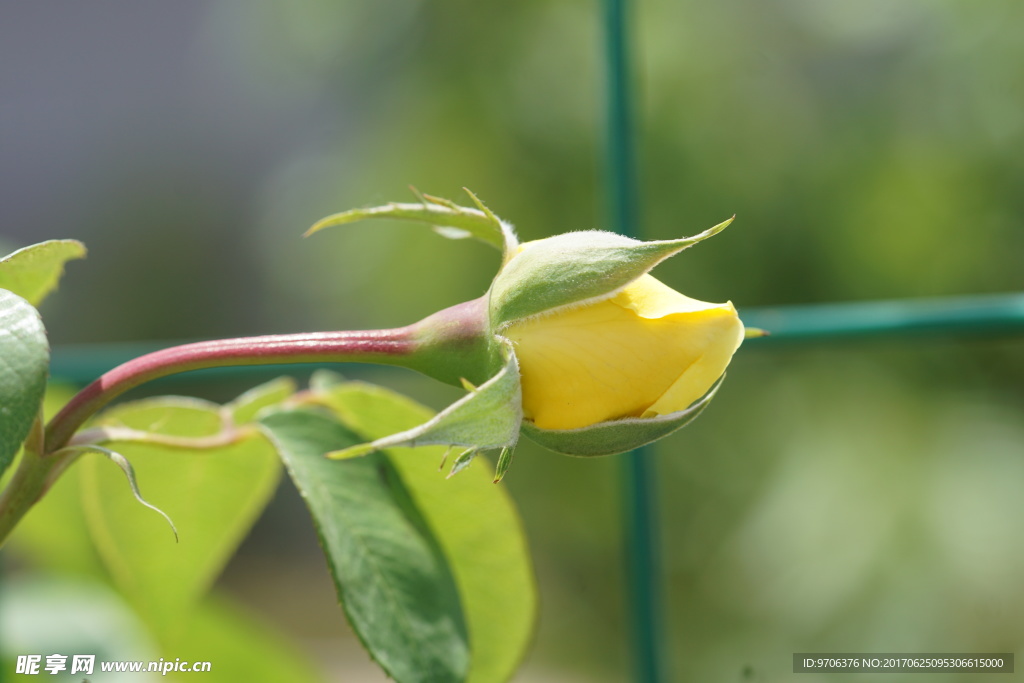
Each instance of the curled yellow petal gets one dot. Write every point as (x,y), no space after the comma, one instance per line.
(646,351)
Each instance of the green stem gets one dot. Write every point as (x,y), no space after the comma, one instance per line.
(42,464)
(448,345)
(34,476)
(393,347)
(46,460)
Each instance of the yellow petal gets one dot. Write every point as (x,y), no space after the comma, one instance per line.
(646,351)
(651,298)
(721,333)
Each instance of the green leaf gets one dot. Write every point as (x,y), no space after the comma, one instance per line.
(448,219)
(24,362)
(488,417)
(33,272)
(475,521)
(574,268)
(245,408)
(616,436)
(325,380)
(391,576)
(213,495)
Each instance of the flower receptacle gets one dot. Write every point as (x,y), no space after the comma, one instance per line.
(455,344)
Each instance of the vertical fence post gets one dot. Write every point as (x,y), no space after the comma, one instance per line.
(644,598)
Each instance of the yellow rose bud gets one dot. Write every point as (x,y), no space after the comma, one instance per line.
(574,345)
(644,352)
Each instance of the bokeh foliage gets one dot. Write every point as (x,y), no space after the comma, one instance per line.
(854,496)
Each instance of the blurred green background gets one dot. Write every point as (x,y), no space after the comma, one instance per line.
(848,496)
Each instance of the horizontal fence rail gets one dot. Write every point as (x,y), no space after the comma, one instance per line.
(1000,315)
(989,315)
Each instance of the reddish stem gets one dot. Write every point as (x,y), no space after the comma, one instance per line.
(393,347)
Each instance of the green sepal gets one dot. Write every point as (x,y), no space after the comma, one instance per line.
(576,268)
(486,418)
(464,460)
(504,462)
(616,436)
(447,218)
(33,272)
(129,473)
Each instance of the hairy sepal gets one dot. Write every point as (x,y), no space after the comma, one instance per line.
(576,268)
(446,217)
(487,418)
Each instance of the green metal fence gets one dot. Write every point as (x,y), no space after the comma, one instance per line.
(989,315)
